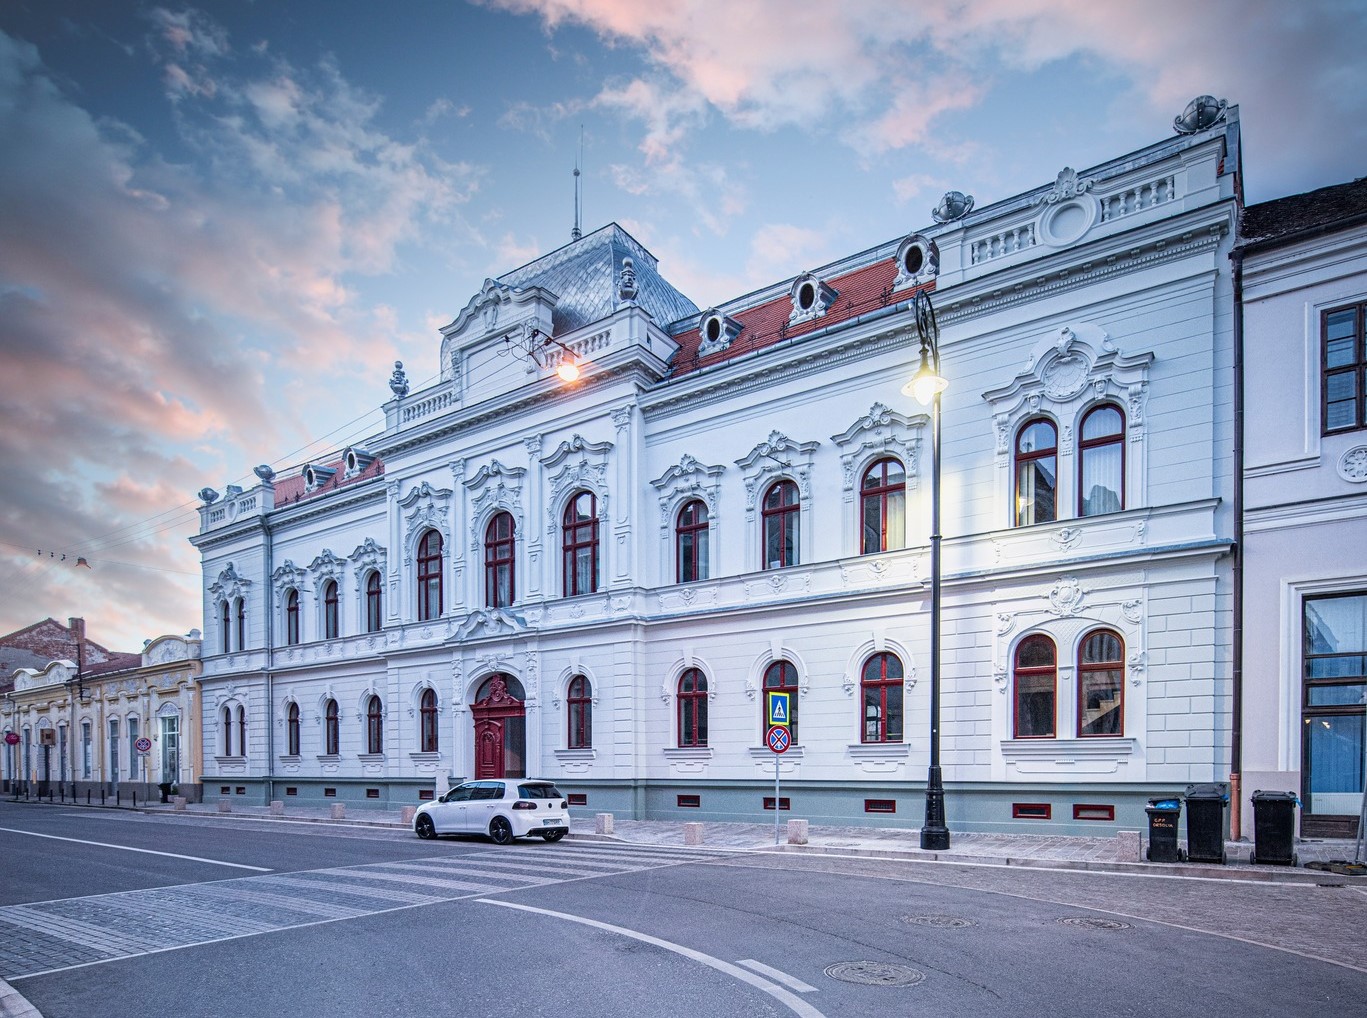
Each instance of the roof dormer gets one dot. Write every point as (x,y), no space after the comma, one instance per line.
(717,331)
(316,475)
(354,461)
(918,261)
(811,298)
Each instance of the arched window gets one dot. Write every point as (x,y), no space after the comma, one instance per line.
(1101,685)
(292,730)
(292,617)
(374,725)
(883,508)
(428,709)
(781,677)
(579,700)
(1101,462)
(241,623)
(330,610)
(241,730)
(581,544)
(429,577)
(1036,473)
(372,603)
(692,708)
(1036,675)
(225,628)
(227,732)
(499,551)
(690,541)
(780,526)
(880,687)
(331,728)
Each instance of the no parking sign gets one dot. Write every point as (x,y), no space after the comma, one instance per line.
(143,745)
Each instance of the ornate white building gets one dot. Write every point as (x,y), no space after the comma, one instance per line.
(597,580)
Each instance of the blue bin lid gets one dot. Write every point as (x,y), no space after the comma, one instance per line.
(1166,804)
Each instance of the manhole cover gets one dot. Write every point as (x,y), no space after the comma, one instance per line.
(874,973)
(1087,922)
(944,922)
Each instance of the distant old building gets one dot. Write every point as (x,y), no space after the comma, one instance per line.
(1303,263)
(598,580)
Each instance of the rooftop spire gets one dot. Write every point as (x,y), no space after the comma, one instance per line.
(576,233)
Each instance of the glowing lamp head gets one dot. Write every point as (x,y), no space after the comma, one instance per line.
(568,371)
(925,385)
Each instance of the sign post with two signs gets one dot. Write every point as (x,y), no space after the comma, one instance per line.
(778,737)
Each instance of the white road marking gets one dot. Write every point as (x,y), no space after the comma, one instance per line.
(792,982)
(794,1003)
(144,851)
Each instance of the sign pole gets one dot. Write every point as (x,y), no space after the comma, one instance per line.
(776,800)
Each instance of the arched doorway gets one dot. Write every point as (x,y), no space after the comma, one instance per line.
(500,728)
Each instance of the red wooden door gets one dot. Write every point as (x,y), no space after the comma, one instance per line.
(500,729)
(488,749)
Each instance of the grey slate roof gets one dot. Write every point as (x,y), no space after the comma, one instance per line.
(584,273)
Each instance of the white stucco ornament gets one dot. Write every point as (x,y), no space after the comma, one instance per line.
(1353,464)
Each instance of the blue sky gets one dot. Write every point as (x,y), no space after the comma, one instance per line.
(221,223)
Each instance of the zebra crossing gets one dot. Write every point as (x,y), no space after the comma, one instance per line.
(48,936)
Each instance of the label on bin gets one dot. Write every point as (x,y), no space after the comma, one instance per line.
(1160,821)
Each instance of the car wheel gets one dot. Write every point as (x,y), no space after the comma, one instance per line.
(501,831)
(424,827)
(552,835)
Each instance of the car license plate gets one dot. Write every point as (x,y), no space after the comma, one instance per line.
(549,823)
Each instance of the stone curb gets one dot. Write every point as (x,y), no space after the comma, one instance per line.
(14,1005)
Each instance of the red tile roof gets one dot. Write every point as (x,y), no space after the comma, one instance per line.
(291,489)
(766,324)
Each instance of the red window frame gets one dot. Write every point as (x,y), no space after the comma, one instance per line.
(1026,459)
(427,708)
(292,730)
(330,620)
(374,728)
(1025,675)
(781,513)
(579,707)
(1086,668)
(373,618)
(500,552)
(430,577)
(781,677)
(292,618)
(875,491)
(331,728)
(579,529)
(692,708)
(690,541)
(877,686)
(1031,811)
(880,805)
(1086,445)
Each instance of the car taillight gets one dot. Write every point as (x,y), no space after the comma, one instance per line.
(564,804)
(524,804)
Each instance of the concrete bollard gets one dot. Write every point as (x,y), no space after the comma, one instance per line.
(179,803)
(693,833)
(1129,846)
(277,808)
(225,805)
(338,811)
(797,832)
(407,814)
(602,823)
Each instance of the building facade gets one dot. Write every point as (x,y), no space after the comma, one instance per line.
(598,580)
(1303,261)
(80,727)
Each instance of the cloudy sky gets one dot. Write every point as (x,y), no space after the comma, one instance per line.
(221,223)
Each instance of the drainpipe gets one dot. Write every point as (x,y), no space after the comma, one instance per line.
(270,661)
(1236,731)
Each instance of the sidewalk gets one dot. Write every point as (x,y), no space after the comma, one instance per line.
(1118,853)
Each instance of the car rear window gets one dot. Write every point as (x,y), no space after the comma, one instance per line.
(539,792)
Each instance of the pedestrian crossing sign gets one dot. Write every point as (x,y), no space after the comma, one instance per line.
(778,708)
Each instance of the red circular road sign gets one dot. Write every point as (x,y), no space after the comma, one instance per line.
(778,738)
(143,745)
(11,738)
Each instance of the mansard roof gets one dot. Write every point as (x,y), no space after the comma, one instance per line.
(293,488)
(584,277)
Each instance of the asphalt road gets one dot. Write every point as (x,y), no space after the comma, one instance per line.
(226,916)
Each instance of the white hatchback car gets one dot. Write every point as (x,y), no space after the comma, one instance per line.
(504,809)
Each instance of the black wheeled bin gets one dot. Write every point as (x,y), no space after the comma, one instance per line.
(1163,817)
(1206,822)
(1274,828)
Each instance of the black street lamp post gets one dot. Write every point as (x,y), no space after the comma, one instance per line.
(926,386)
